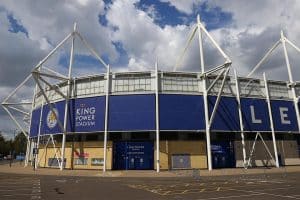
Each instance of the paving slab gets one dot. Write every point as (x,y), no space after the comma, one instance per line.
(18,168)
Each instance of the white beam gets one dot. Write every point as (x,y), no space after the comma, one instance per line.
(252,150)
(215,81)
(106,117)
(180,58)
(53,87)
(53,51)
(54,72)
(49,75)
(92,50)
(16,122)
(201,26)
(292,44)
(157,117)
(218,99)
(291,80)
(67,99)
(17,104)
(264,58)
(206,112)
(271,120)
(18,110)
(17,88)
(240,117)
(217,68)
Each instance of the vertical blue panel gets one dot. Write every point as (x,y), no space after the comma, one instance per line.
(133,155)
(35,122)
(86,114)
(49,123)
(227,115)
(261,114)
(131,112)
(284,115)
(181,112)
(222,154)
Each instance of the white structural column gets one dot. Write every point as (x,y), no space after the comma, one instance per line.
(67,100)
(157,117)
(106,117)
(271,120)
(39,133)
(240,117)
(28,151)
(207,128)
(291,80)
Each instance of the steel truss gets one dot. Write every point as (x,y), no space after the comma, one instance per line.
(41,75)
(222,70)
(291,84)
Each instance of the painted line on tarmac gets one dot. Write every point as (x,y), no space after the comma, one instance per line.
(232,196)
(15,190)
(36,190)
(264,193)
(12,195)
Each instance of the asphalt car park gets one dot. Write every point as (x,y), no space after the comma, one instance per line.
(270,186)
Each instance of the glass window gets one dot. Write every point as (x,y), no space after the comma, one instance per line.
(81,161)
(97,161)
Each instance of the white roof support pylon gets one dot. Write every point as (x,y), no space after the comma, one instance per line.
(39,73)
(201,28)
(283,40)
(42,74)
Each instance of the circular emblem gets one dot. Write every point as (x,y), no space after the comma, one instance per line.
(51,119)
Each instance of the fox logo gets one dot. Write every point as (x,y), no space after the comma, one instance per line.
(51,118)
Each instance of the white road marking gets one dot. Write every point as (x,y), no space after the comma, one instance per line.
(232,196)
(264,193)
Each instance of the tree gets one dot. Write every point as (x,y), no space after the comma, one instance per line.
(4,145)
(20,143)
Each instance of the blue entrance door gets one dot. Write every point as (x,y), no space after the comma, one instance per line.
(223,154)
(133,155)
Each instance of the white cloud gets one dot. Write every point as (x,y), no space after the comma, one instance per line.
(143,40)
(256,27)
(185,6)
(51,21)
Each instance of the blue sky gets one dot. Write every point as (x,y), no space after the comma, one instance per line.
(132,34)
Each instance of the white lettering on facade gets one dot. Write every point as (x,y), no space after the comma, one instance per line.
(253,118)
(283,115)
(85,116)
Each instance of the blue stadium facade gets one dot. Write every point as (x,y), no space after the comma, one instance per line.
(162,119)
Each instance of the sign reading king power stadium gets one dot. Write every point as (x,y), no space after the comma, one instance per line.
(87,115)
(177,112)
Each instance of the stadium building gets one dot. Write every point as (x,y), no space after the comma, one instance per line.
(161,120)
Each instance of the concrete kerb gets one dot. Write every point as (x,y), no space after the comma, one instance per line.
(194,173)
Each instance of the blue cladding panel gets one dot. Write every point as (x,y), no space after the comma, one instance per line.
(284,115)
(86,115)
(222,154)
(181,112)
(49,123)
(259,119)
(227,115)
(131,112)
(133,155)
(35,122)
